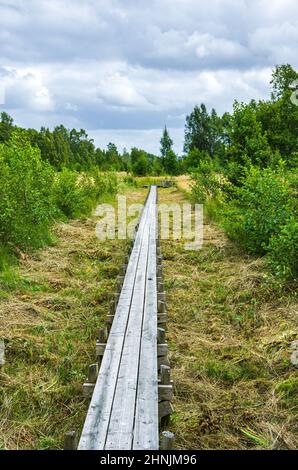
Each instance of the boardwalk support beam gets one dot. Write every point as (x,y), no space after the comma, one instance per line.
(70,441)
(167,440)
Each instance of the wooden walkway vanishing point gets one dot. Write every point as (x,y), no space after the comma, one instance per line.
(131,395)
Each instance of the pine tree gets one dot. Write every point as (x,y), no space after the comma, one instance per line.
(166,143)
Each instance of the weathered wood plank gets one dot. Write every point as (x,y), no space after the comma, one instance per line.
(120,432)
(124,409)
(98,416)
(146,421)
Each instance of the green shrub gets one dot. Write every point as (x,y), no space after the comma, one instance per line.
(26,205)
(76,194)
(105,183)
(130,181)
(72,195)
(206,182)
(263,206)
(283,251)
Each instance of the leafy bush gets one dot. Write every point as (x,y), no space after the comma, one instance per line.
(105,183)
(206,182)
(76,194)
(263,206)
(73,194)
(26,204)
(130,181)
(67,193)
(283,251)
(32,195)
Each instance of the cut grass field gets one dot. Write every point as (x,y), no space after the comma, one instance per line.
(51,309)
(229,338)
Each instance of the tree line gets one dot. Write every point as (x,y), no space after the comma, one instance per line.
(243,167)
(75,150)
(256,132)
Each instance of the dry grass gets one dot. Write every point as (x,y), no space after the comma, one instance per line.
(183,182)
(50,311)
(230,337)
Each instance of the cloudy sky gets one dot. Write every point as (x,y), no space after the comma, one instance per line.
(124,69)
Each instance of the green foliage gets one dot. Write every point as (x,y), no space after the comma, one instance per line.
(248,142)
(6,127)
(169,160)
(262,207)
(112,159)
(282,77)
(204,131)
(73,149)
(6,258)
(193,159)
(26,204)
(104,184)
(33,196)
(166,143)
(157,168)
(257,133)
(72,194)
(130,181)
(283,251)
(279,119)
(170,163)
(252,189)
(207,183)
(139,161)
(76,194)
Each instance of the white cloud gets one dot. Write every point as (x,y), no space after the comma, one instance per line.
(281,44)
(207,45)
(138,64)
(119,90)
(24,88)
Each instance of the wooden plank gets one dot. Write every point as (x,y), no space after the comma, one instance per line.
(98,416)
(92,373)
(165,375)
(123,412)
(146,420)
(161,335)
(120,431)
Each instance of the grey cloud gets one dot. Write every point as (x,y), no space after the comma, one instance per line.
(153,33)
(138,64)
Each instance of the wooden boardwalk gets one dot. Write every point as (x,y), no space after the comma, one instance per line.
(123,412)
